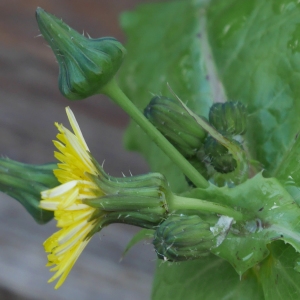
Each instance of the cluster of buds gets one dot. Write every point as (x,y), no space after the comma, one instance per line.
(185,133)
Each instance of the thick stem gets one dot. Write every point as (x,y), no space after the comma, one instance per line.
(183,203)
(113,91)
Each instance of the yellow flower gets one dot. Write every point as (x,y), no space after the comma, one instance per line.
(71,213)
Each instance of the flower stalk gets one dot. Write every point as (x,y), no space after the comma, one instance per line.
(113,91)
(184,203)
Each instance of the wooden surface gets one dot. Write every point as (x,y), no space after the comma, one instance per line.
(30,103)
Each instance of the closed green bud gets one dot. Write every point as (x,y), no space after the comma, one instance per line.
(172,120)
(85,64)
(182,238)
(219,156)
(25,183)
(229,117)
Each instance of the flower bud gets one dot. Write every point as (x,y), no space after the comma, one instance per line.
(229,117)
(25,182)
(172,120)
(219,156)
(85,64)
(182,238)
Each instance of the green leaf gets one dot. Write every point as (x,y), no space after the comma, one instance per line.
(277,274)
(209,278)
(288,171)
(273,214)
(255,44)
(213,278)
(168,51)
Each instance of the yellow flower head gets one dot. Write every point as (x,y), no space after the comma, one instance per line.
(72,215)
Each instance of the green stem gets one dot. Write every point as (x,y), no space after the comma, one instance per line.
(183,203)
(113,91)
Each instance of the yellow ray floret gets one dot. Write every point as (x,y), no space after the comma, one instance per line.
(71,213)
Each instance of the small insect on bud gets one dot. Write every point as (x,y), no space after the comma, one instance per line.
(219,156)
(85,64)
(181,238)
(171,119)
(229,117)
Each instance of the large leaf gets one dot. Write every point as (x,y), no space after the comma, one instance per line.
(213,278)
(209,278)
(273,214)
(288,171)
(277,274)
(255,44)
(163,48)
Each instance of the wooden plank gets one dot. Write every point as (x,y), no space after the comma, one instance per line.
(30,103)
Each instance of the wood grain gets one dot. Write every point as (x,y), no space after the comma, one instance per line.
(30,103)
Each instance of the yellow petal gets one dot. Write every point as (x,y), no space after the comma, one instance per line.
(72,215)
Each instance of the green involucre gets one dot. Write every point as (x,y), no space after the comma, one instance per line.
(85,64)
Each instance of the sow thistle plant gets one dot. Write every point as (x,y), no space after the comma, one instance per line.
(223,208)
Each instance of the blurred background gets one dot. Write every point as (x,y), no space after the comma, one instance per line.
(30,103)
